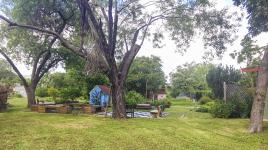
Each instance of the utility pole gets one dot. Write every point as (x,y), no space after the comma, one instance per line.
(146,88)
(224,91)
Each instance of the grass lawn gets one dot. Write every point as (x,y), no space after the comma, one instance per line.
(182,129)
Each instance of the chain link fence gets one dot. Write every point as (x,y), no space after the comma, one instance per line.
(232,90)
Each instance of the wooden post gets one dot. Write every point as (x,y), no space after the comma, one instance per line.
(224,92)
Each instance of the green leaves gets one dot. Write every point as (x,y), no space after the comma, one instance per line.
(145,70)
(190,78)
(257,15)
(217,75)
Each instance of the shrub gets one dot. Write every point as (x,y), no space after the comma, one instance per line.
(241,107)
(165,102)
(204,99)
(205,108)
(53,92)
(41,92)
(134,98)
(221,110)
(70,93)
(202,109)
(235,108)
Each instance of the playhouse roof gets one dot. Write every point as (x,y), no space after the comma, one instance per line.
(104,89)
(160,91)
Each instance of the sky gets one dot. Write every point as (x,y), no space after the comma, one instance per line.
(195,52)
(171,59)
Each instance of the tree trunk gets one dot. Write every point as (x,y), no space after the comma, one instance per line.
(257,111)
(30,91)
(119,107)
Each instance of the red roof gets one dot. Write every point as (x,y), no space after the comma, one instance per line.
(256,69)
(105,89)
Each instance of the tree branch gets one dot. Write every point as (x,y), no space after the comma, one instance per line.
(36,61)
(14,67)
(64,42)
(125,6)
(49,66)
(115,29)
(110,26)
(104,15)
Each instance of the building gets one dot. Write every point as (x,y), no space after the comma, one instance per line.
(158,94)
(99,95)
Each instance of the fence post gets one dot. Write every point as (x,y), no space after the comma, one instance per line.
(224,91)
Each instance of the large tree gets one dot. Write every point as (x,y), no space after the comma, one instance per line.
(116,30)
(145,75)
(40,52)
(258,23)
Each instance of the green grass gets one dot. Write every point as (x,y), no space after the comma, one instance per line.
(182,129)
(182,102)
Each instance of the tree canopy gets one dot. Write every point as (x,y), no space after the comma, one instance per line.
(146,71)
(7,76)
(190,79)
(111,33)
(257,18)
(219,74)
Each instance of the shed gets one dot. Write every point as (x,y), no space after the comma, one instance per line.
(99,95)
(158,94)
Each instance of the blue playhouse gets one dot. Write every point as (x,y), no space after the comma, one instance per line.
(99,96)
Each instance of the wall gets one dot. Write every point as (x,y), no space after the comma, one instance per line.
(161,96)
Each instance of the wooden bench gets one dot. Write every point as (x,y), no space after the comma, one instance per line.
(143,106)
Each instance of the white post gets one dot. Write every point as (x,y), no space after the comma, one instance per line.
(224,91)
(146,96)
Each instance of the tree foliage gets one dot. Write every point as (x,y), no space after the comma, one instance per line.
(250,54)
(7,76)
(115,30)
(145,71)
(72,84)
(190,79)
(217,75)
(257,18)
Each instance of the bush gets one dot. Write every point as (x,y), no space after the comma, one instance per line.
(221,110)
(241,107)
(202,109)
(134,98)
(41,92)
(204,99)
(165,102)
(53,92)
(235,108)
(205,108)
(70,93)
